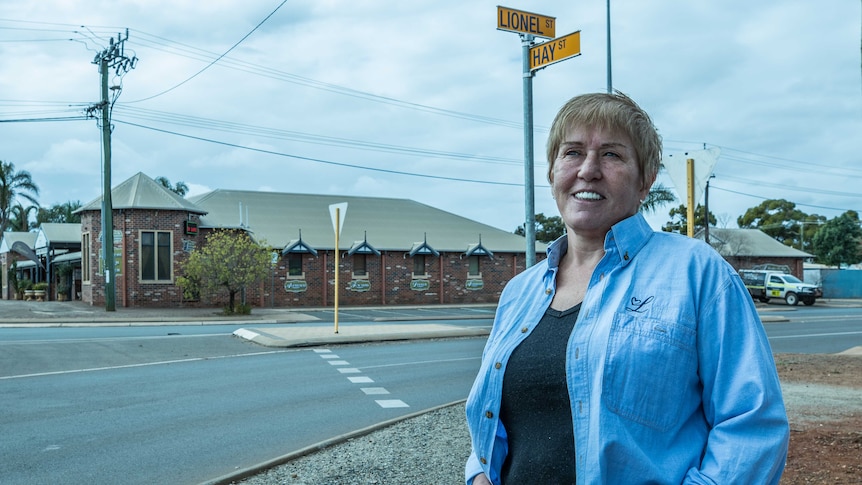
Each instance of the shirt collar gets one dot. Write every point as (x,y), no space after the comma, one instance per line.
(625,238)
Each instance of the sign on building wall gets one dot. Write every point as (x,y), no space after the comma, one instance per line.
(474,284)
(295,286)
(359,285)
(420,285)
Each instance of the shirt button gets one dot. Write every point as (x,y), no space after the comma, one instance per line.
(483,460)
(524,330)
(498,365)
(548,291)
(489,414)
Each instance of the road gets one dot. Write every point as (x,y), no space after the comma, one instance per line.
(185,404)
(185,410)
(814,330)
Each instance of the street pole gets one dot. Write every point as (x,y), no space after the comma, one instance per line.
(690,210)
(113,57)
(706,210)
(610,81)
(107,203)
(337,230)
(529,192)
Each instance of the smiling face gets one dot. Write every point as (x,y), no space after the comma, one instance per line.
(596,180)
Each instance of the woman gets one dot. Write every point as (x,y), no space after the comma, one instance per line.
(627,356)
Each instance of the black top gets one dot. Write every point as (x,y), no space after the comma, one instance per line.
(535,407)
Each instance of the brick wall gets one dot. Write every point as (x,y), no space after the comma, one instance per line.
(388,280)
(130,290)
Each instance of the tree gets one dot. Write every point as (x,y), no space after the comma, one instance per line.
(779,218)
(679,219)
(14,185)
(180,188)
(659,195)
(229,261)
(62,213)
(547,228)
(19,218)
(837,241)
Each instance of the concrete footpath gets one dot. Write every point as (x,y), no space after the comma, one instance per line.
(291,327)
(270,327)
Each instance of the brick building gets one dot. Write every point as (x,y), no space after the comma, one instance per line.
(392,251)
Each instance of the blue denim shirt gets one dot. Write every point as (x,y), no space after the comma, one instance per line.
(670,375)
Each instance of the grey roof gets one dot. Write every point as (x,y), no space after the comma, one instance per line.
(142,192)
(55,232)
(10,238)
(387,224)
(749,243)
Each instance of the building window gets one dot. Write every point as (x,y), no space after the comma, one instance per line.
(419,265)
(360,265)
(474,268)
(294,264)
(85,256)
(156,255)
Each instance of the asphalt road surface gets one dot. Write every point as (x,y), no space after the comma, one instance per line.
(195,408)
(177,404)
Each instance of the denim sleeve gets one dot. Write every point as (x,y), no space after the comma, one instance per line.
(742,398)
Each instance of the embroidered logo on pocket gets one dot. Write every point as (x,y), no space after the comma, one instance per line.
(636,305)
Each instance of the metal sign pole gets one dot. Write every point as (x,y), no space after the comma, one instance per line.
(338,225)
(529,191)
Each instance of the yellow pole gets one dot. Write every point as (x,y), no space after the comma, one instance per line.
(690,175)
(337,226)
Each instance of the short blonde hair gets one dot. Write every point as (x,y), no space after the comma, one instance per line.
(614,111)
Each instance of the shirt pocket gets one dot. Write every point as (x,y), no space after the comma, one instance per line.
(650,370)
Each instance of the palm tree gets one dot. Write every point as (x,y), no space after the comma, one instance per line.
(180,188)
(19,217)
(14,185)
(658,196)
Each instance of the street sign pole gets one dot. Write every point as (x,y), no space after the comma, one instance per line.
(689,166)
(337,257)
(529,190)
(535,56)
(337,212)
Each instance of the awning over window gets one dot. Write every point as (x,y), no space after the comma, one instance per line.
(298,246)
(362,247)
(424,249)
(478,250)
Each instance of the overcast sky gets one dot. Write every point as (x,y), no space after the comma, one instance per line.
(422,99)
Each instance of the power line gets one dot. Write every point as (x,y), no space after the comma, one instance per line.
(318,160)
(760,197)
(267,132)
(216,59)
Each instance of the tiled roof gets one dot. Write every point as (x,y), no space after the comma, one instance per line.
(386,224)
(749,243)
(142,192)
(54,232)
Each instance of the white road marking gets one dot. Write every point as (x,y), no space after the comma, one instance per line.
(391,403)
(145,364)
(338,362)
(422,362)
(374,390)
(360,379)
(348,370)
